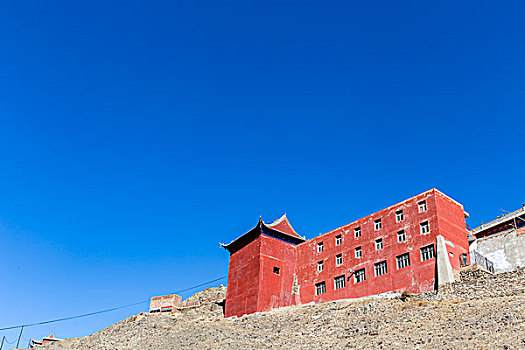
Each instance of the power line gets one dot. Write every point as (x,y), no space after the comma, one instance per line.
(10,342)
(200,285)
(103,311)
(73,317)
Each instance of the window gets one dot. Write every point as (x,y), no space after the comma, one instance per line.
(424,228)
(380,268)
(339,282)
(320,247)
(359,276)
(338,240)
(401,236)
(403,260)
(320,266)
(463,260)
(379,244)
(339,259)
(357,232)
(377,224)
(427,252)
(276,270)
(358,252)
(320,288)
(399,216)
(422,206)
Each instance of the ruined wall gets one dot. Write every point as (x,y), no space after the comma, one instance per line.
(506,250)
(159,303)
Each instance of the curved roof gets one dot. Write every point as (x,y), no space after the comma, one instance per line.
(282,224)
(280,229)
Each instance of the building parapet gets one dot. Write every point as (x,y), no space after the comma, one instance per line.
(502,219)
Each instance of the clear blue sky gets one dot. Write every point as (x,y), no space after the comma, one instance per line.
(136,136)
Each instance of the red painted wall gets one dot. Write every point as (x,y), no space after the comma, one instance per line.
(417,278)
(276,289)
(452,227)
(243,280)
(263,290)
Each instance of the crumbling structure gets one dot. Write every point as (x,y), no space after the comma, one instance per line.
(165,303)
(174,303)
(394,249)
(51,339)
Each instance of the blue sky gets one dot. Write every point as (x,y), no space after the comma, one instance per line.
(136,136)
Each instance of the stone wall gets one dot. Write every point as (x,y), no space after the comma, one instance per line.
(479,284)
(506,250)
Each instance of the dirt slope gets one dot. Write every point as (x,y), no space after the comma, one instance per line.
(489,316)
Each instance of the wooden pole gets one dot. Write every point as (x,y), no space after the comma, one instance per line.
(19,336)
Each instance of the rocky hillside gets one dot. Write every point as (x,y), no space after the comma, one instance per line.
(489,316)
(205,295)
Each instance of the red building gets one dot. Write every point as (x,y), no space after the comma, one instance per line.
(396,249)
(165,303)
(51,339)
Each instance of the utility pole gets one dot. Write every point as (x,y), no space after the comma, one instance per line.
(19,336)
(2,345)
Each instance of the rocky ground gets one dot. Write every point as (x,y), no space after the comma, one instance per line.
(481,312)
(207,294)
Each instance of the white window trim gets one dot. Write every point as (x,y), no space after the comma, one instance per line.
(337,279)
(424,226)
(399,216)
(403,256)
(322,286)
(379,242)
(427,249)
(358,273)
(337,257)
(379,267)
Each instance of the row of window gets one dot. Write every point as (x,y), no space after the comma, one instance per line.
(426,253)
(424,228)
(377,226)
(422,207)
(380,268)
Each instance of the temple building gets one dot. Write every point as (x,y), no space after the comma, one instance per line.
(413,246)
